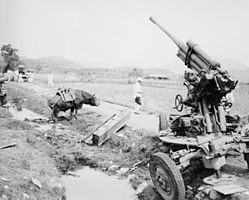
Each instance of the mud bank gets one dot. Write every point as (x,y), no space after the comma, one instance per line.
(27,170)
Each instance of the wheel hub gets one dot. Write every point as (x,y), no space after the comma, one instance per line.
(179,103)
(163,181)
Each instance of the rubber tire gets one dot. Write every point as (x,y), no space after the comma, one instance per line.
(163,121)
(169,168)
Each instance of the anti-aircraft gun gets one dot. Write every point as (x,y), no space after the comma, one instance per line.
(205,134)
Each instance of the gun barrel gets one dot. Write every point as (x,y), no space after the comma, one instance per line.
(193,65)
(178,42)
(202,54)
(190,53)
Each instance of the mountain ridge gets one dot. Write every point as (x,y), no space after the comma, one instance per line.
(173,69)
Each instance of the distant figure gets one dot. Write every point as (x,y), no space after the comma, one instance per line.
(50,79)
(30,76)
(20,79)
(138,95)
(16,75)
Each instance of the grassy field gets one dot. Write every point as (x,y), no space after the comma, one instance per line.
(241,104)
(158,95)
(28,98)
(156,99)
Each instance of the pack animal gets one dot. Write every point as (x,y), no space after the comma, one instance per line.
(57,104)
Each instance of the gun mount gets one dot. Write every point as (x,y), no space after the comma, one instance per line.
(204,134)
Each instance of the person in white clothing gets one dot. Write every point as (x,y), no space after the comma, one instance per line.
(50,79)
(138,95)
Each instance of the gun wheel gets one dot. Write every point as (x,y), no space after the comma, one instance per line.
(179,103)
(166,177)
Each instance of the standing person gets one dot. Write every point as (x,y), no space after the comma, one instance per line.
(30,76)
(138,95)
(20,79)
(50,79)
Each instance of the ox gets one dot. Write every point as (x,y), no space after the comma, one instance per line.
(57,104)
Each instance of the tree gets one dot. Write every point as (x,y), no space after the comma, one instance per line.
(136,72)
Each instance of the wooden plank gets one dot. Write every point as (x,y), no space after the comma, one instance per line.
(110,127)
(89,138)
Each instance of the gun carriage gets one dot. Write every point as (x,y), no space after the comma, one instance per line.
(206,133)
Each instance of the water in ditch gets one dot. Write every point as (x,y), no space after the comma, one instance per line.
(90,184)
(26,114)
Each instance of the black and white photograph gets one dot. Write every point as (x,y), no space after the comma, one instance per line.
(124,100)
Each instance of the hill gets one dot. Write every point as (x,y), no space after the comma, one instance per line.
(173,69)
(53,61)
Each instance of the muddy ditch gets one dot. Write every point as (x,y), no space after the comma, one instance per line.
(87,181)
(115,157)
(64,138)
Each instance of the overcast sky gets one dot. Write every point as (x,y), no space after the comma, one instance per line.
(119,33)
